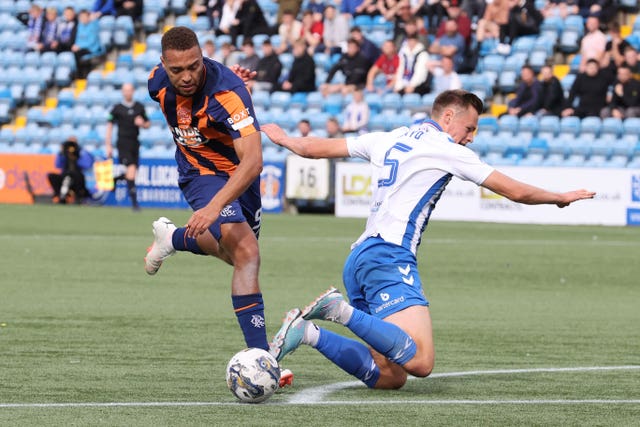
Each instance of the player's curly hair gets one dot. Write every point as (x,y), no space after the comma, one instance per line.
(179,38)
(457,99)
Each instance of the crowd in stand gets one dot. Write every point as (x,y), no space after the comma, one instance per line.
(432,43)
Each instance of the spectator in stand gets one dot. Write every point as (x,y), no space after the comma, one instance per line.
(250,20)
(413,75)
(451,43)
(289,31)
(527,94)
(304,128)
(368,49)
(209,50)
(455,13)
(632,60)
(494,23)
(605,9)
(87,44)
(250,58)
(228,54)
(551,93)
(386,64)
(34,26)
(288,6)
(268,70)
(593,43)
(67,28)
(302,76)
(312,29)
(589,91)
(132,8)
(103,7)
(228,20)
(412,26)
(625,100)
(335,30)
(559,8)
(356,114)
(402,18)
(332,127)
(69,184)
(316,6)
(445,76)
(353,65)
(614,49)
(48,36)
(385,8)
(212,9)
(524,20)
(435,11)
(474,8)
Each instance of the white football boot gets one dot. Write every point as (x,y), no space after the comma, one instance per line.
(162,248)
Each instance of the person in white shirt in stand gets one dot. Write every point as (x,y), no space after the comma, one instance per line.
(388,310)
(356,114)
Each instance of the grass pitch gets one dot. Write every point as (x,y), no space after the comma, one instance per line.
(81,323)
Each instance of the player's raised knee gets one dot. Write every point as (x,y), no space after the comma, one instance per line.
(420,366)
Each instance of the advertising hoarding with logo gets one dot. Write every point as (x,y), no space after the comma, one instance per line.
(617,201)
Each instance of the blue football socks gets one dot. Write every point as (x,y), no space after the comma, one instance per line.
(385,338)
(181,242)
(249,310)
(350,355)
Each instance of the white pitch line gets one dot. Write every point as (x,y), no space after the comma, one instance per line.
(317,394)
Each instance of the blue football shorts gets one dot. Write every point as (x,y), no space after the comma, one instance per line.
(382,278)
(247,208)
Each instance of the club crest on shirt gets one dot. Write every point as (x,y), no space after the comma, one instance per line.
(183,115)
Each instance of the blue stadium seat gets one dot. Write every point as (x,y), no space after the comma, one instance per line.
(590,126)
(569,126)
(601,147)
(532,160)
(333,104)
(551,28)
(507,81)
(508,124)
(523,44)
(528,125)
(392,101)
(487,125)
(377,122)
(298,100)
(631,126)
(374,100)
(611,126)
(412,101)
(538,146)
(428,99)
(280,99)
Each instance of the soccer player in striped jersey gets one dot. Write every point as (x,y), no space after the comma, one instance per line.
(388,309)
(219,155)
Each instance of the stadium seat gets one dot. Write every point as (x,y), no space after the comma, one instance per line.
(507,81)
(631,126)
(412,101)
(528,125)
(601,147)
(574,161)
(538,146)
(392,101)
(280,99)
(523,44)
(532,160)
(333,104)
(551,28)
(590,126)
(374,100)
(569,126)
(611,126)
(298,100)
(508,124)
(487,125)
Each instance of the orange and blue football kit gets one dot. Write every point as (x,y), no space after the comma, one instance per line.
(204,127)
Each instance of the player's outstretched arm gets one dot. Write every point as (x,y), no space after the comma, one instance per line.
(312,147)
(528,194)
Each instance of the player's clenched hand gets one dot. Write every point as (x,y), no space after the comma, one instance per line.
(200,222)
(573,196)
(274,132)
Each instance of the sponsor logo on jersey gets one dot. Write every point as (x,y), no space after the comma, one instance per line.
(189,136)
(384,296)
(240,120)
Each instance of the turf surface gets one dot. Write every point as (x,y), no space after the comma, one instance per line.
(80,322)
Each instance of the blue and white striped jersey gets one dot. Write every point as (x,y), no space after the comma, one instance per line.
(410,169)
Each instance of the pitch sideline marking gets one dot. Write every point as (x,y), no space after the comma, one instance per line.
(316,395)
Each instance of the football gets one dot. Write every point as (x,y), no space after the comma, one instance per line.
(253,375)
